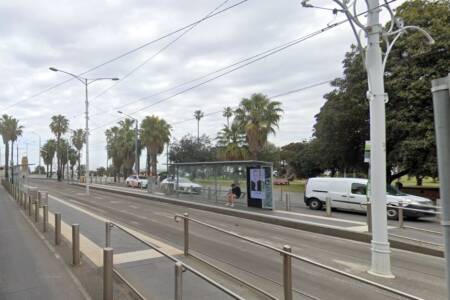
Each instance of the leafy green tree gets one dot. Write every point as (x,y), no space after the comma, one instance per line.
(303,158)
(191,149)
(258,117)
(101,171)
(231,143)
(342,125)
(155,133)
(59,126)
(113,151)
(48,153)
(198,114)
(78,140)
(271,153)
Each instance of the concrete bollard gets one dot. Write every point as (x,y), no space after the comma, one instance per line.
(328,206)
(108,274)
(287,273)
(75,244)
(57,228)
(45,221)
(29,206)
(369,216)
(186,234)
(36,212)
(178,280)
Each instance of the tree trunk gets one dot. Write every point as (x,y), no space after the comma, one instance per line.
(51,170)
(154,164)
(46,170)
(12,160)
(148,162)
(79,164)
(7,160)
(419,180)
(58,159)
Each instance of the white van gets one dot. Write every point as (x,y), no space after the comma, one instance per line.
(351,194)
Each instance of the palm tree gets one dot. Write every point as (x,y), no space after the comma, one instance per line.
(112,149)
(5,131)
(11,131)
(258,117)
(231,143)
(227,113)
(78,140)
(48,153)
(198,114)
(155,133)
(73,159)
(59,126)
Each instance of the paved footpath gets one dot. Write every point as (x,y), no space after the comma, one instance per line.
(29,269)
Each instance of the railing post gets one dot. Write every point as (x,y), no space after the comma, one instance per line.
(439,209)
(287,273)
(108,227)
(75,244)
(45,221)
(186,234)
(400,214)
(108,274)
(178,280)
(57,228)
(328,206)
(369,216)
(288,204)
(36,212)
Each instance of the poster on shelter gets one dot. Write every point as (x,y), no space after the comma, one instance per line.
(256,183)
(267,189)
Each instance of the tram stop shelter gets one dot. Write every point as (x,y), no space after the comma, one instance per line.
(211,181)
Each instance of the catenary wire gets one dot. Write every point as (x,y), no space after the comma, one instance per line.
(125,54)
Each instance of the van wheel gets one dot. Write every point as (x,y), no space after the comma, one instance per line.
(392,213)
(315,204)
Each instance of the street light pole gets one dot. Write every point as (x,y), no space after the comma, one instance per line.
(375,65)
(136,139)
(85,82)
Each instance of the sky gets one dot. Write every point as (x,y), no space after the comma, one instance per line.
(75,36)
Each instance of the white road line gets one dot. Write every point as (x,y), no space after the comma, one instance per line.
(320,217)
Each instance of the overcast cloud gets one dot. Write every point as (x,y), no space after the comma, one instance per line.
(77,35)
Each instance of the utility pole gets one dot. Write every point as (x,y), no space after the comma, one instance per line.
(85,82)
(441,105)
(375,65)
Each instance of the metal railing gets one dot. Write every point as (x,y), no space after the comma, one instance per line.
(179,265)
(286,253)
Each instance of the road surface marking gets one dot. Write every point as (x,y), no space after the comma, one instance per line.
(351,266)
(320,217)
(163,246)
(133,256)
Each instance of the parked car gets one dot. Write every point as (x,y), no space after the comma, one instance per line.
(137,181)
(351,194)
(184,185)
(280,181)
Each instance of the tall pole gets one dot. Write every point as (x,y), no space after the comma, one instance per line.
(136,147)
(441,105)
(86,174)
(39,155)
(381,263)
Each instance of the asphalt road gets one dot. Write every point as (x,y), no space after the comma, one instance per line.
(415,273)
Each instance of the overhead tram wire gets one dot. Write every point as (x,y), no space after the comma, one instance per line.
(270,97)
(133,70)
(302,39)
(218,70)
(122,78)
(127,53)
